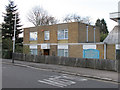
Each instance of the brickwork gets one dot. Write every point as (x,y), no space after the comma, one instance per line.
(111,51)
(76,51)
(73,32)
(53,50)
(82,37)
(100,47)
(97,34)
(26,49)
(26,36)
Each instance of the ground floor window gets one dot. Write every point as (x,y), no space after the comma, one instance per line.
(33,51)
(63,52)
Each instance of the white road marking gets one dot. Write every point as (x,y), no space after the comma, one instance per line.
(62,81)
(52,81)
(49,83)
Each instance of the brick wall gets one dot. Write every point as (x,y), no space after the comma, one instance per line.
(76,51)
(26,36)
(82,33)
(53,50)
(73,32)
(111,51)
(100,47)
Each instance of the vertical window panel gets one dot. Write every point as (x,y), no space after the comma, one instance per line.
(46,35)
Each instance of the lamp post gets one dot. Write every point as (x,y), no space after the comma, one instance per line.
(14,38)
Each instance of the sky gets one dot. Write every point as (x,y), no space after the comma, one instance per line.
(59,8)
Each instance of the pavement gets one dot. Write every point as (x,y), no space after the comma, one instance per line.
(84,72)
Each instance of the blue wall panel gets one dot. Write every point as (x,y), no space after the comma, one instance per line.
(91,53)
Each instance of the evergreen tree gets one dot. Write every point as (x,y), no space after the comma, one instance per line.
(8,28)
(103,29)
(9,21)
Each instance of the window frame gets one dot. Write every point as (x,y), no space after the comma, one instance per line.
(48,33)
(32,51)
(64,51)
(36,36)
(64,34)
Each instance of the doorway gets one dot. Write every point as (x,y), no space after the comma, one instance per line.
(46,51)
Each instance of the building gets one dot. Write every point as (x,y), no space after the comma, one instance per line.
(69,40)
(114,36)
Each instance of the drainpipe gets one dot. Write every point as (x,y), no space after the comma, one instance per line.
(105,48)
(94,34)
(87,32)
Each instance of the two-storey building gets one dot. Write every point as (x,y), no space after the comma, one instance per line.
(65,39)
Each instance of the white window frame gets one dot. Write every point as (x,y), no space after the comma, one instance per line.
(64,51)
(33,50)
(33,47)
(34,36)
(64,31)
(47,33)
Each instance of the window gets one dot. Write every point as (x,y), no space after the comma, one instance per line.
(63,52)
(46,35)
(33,36)
(33,51)
(62,34)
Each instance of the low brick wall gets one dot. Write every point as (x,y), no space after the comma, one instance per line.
(101,64)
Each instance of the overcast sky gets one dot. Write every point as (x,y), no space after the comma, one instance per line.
(59,8)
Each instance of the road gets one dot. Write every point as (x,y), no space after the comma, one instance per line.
(27,77)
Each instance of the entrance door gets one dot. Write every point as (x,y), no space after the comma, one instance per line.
(46,51)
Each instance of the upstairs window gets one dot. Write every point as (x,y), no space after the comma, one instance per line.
(46,35)
(33,36)
(62,34)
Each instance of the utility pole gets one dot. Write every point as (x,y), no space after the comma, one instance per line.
(14,38)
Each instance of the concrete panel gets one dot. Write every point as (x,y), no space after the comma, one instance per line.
(102,64)
(110,65)
(90,63)
(81,63)
(70,62)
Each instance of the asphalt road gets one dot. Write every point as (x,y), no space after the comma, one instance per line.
(27,77)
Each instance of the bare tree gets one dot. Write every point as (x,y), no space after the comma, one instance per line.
(38,16)
(72,18)
(87,20)
(76,18)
